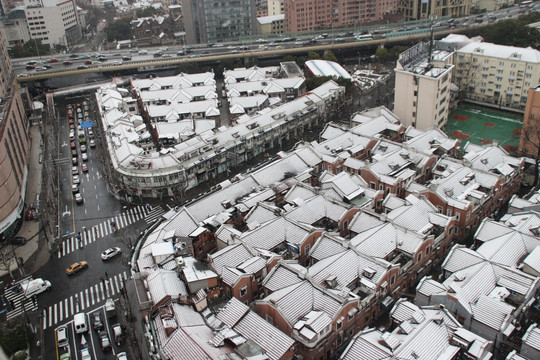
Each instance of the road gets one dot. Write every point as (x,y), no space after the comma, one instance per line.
(87,290)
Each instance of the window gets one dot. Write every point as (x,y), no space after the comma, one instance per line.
(307,248)
(381,187)
(439,209)
(339,324)
(243,291)
(419,258)
(392,279)
(428,249)
(468,216)
(269,319)
(457,215)
(448,212)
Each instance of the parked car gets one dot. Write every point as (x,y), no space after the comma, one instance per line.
(84,157)
(78,198)
(92,143)
(18,240)
(76,179)
(75,170)
(84,167)
(74,188)
(121,356)
(118,335)
(76,267)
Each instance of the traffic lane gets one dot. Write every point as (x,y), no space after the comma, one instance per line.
(93,340)
(53,347)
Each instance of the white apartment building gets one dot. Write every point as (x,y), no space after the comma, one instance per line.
(496,74)
(54,22)
(422,90)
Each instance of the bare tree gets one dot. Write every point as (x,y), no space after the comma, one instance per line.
(535,142)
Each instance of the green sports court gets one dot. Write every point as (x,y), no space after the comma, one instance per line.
(483,126)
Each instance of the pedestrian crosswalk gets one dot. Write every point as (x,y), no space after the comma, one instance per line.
(16,300)
(85,300)
(127,217)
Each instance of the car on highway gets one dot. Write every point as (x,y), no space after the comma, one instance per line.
(74,152)
(117,63)
(84,57)
(84,167)
(83,148)
(97,323)
(74,160)
(95,62)
(92,143)
(110,253)
(105,341)
(72,144)
(78,198)
(84,157)
(90,132)
(88,62)
(158,54)
(181,53)
(31,63)
(143,52)
(30,67)
(66,63)
(41,68)
(72,135)
(53,60)
(62,337)
(82,67)
(76,267)
(76,179)
(126,58)
(22,75)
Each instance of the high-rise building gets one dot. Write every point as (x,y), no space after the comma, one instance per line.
(212,21)
(496,74)
(305,15)
(422,90)
(14,147)
(54,22)
(423,9)
(530,135)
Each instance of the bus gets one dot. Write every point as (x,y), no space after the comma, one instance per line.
(364,37)
(525,4)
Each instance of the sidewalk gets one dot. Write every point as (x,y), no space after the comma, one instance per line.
(30,229)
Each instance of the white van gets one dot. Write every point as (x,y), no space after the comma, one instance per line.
(79,323)
(34,287)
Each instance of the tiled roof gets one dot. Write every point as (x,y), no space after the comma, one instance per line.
(533,259)
(461,257)
(317,208)
(182,223)
(163,283)
(225,233)
(211,204)
(532,337)
(274,342)
(273,233)
(229,256)
(363,221)
(279,278)
(428,287)
(261,213)
(366,346)
(491,312)
(232,312)
(327,246)
(506,250)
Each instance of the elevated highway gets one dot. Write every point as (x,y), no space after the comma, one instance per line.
(390,39)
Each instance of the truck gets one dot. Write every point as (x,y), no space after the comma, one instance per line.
(35,286)
(110,308)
